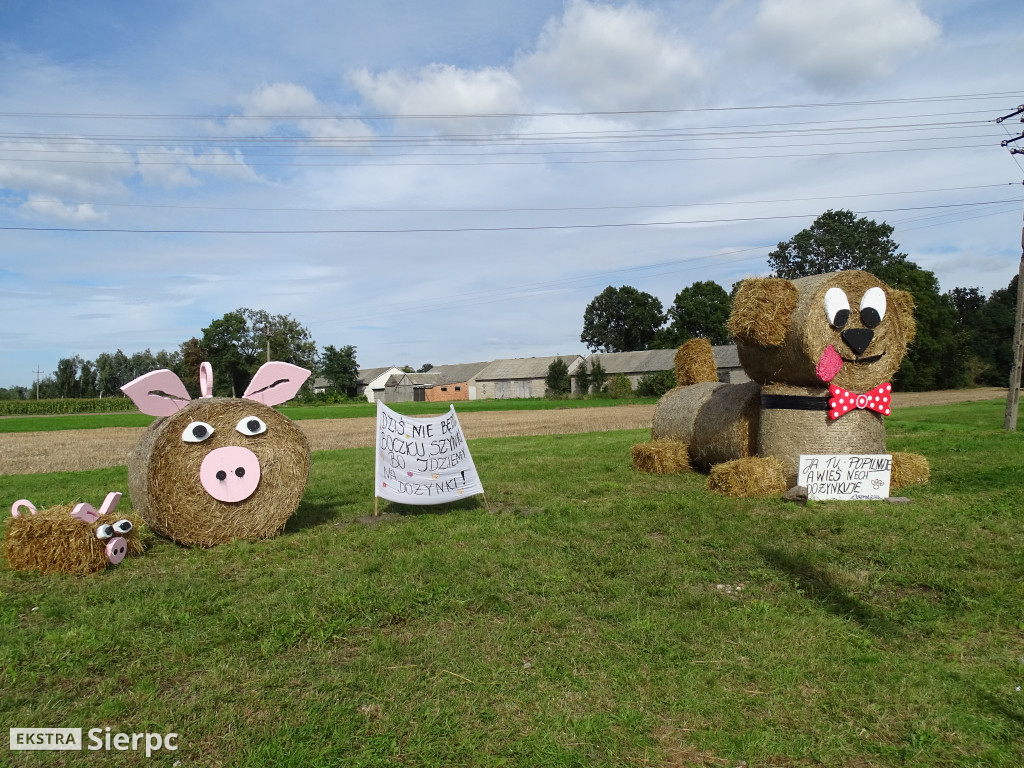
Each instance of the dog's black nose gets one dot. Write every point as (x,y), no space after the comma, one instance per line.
(858,339)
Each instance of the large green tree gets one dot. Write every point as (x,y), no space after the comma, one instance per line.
(839,240)
(621,320)
(989,325)
(339,367)
(701,311)
(236,346)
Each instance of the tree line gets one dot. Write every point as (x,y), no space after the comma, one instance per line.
(964,338)
(236,345)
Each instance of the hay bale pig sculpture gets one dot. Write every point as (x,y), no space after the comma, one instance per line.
(820,352)
(215,469)
(70,538)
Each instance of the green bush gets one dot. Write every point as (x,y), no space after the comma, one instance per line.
(620,388)
(655,384)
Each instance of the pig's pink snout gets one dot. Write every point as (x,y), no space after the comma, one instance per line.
(116,549)
(230,473)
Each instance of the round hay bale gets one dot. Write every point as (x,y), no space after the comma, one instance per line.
(908,469)
(717,421)
(752,476)
(808,333)
(695,362)
(661,457)
(166,473)
(51,541)
(786,433)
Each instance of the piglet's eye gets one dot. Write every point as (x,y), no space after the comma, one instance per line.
(251,425)
(123,526)
(196,432)
(104,532)
(837,307)
(872,307)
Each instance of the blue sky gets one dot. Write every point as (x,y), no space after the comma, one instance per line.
(454,181)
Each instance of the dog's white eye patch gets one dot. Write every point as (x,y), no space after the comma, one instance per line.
(872,307)
(837,307)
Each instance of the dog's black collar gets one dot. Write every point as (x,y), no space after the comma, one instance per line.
(794,403)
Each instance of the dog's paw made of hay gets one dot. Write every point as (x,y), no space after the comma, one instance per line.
(751,476)
(662,457)
(908,469)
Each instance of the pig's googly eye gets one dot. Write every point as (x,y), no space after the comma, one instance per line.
(123,526)
(872,307)
(251,425)
(196,432)
(837,307)
(104,532)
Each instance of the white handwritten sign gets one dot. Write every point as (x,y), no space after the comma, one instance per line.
(846,476)
(423,460)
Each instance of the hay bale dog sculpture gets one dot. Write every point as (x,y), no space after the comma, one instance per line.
(216,469)
(820,352)
(74,539)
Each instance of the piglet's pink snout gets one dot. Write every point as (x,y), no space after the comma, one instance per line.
(230,473)
(116,549)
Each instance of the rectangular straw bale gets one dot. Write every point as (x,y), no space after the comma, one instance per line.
(661,457)
(752,476)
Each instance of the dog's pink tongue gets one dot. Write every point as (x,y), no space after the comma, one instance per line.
(828,364)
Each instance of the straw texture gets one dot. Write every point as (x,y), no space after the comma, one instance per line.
(51,541)
(695,362)
(908,469)
(753,476)
(661,457)
(163,474)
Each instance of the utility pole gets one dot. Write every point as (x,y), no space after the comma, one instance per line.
(1013,393)
(37,380)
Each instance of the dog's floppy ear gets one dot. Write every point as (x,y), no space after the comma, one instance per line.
(761,311)
(903,303)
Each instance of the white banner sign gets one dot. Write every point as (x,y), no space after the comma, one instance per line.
(846,476)
(423,460)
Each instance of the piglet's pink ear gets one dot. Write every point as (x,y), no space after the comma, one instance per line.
(110,503)
(158,393)
(85,512)
(276,383)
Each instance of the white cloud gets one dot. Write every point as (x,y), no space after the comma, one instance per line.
(281,99)
(838,45)
(600,57)
(443,90)
(55,210)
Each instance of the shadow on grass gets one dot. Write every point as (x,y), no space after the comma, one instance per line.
(312,514)
(819,586)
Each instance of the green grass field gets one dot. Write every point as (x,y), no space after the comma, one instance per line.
(57,423)
(589,615)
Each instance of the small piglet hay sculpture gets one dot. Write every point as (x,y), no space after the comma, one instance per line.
(216,469)
(71,538)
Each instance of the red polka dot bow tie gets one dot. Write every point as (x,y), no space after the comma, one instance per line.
(843,401)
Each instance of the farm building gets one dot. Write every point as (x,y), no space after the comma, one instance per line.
(440,384)
(521,377)
(637,364)
(369,380)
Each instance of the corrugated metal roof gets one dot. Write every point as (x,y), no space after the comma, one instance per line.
(524,368)
(650,360)
(366,375)
(458,372)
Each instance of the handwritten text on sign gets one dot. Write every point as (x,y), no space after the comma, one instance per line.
(423,460)
(846,476)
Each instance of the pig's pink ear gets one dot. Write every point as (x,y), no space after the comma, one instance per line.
(85,512)
(158,393)
(276,383)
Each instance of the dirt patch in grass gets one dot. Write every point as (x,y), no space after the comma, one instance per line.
(78,450)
